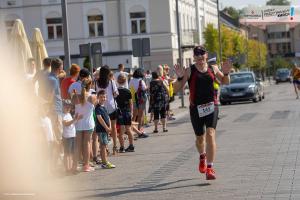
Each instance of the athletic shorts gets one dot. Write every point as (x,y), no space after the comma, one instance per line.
(296,82)
(124,118)
(103,136)
(69,145)
(200,124)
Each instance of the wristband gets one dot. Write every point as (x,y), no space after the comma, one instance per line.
(180,78)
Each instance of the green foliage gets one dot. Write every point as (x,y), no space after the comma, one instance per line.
(236,46)
(86,63)
(279,62)
(278,3)
(232,12)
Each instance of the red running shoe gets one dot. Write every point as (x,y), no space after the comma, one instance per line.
(210,174)
(202,165)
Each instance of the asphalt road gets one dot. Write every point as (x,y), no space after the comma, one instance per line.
(257,158)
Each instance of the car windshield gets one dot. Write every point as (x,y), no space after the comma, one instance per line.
(241,78)
(283,72)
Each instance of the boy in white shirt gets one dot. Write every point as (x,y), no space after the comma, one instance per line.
(69,134)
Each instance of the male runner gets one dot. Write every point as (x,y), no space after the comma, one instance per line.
(296,79)
(203,104)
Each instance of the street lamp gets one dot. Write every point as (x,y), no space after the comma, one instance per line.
(179,48)
(67,59)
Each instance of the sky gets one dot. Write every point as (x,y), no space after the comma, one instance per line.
(243,3)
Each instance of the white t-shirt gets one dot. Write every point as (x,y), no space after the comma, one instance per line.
(87,122)
(110,103)
(75,86)
(134,83)
(47,126)
(68,131)
(117,74)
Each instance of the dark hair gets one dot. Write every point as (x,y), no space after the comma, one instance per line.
(155,75)
(84,73)
(103,80)
(47,62)
(55,64)
(101,92)
(138,73)
(120,66)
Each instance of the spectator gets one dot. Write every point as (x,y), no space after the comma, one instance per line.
(85,126)
(76,86)
(66,82)
(103,128)
(41,78)
(159,99)
(138,91)
(121,68)
(124,101)
(106,83)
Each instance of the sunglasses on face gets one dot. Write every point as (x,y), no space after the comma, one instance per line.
(199,52)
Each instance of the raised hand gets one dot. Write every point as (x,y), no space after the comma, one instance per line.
(180,71)
(226,66)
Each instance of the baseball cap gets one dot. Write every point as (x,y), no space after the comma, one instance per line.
(199,51)
(84,73)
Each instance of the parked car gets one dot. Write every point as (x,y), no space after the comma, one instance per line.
(283,75)
(244,86)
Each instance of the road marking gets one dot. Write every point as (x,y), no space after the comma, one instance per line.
(246,117)
(280,114)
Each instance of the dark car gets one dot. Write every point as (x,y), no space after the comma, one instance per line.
(244,86)
(283,75)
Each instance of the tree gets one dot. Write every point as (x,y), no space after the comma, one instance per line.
(278,3)
(211,39)
(257,55)
(279,62)
(232,12)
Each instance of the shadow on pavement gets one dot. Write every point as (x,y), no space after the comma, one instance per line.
(159,187)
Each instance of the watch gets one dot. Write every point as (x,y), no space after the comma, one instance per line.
(180,78)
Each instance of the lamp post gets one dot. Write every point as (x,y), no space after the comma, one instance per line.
(67,59)
(179,48)
(219,30)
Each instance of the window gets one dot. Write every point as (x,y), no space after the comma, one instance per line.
(9,25)
(54,28)
(138,22)
(95,23)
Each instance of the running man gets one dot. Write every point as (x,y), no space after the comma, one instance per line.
(296,79)
(203,104)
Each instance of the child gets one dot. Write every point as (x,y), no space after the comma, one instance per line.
(103,127)
(124,102)
(69,134)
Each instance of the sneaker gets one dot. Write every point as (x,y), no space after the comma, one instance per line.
(210,174)
(121,150)
(97,161)
(108,165)
(202,165)
(143,135)
(130,148)
(88,168)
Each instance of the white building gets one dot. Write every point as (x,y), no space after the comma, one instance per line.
(115,23)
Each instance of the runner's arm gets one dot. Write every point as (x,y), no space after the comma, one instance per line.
(179,84)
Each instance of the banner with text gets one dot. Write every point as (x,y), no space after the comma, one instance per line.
(269,14)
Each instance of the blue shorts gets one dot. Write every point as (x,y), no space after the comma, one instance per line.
(103,136)
(69,145)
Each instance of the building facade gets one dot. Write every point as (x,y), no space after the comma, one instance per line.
(115,23)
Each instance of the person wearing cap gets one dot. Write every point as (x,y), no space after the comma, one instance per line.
(203,104)
(66,82)
(76,86)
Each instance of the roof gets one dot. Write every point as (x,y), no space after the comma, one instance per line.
(229,21)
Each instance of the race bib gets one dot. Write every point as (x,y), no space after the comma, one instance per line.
(206,109)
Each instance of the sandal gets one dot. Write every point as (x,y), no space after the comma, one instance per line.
(165,130)
(155,131)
